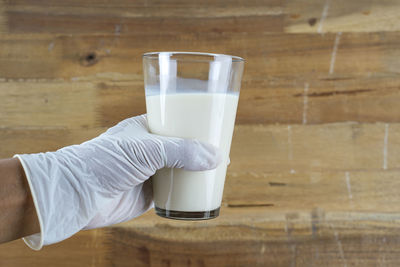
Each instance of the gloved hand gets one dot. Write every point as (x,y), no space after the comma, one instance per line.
(103,181)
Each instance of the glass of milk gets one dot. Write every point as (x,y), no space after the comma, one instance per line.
(192,95)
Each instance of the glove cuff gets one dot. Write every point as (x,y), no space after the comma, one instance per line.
(34,241)
(61,200)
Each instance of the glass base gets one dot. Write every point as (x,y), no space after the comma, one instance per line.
(187,215)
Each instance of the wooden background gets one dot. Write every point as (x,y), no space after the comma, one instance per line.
(315,172)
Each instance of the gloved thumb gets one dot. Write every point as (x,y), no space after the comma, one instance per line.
(191,155)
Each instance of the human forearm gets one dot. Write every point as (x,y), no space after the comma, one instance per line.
(17,212)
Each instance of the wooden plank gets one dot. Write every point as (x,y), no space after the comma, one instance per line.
(323,100)
(131,10)
(296,16)
(105,99)
(313,219)
(258,149)
(124,17)
(273,86)
(3,18)
(315,208)
(131,5)
(262,238)
(88,248)
(73,105)
(143,3)
(300,56)
(331,147)
(21,140)
(20,22)
(391,142)
(291,238)
(61,105)
(341,16)
(342,166)
(296,194)
(354,191)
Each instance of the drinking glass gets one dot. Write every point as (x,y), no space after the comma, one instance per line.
(192,95)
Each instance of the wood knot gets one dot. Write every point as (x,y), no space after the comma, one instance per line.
(312,21)
(89,59)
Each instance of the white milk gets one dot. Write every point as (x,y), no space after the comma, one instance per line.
(208,117)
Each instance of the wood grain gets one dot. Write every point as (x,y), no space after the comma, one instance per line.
(313,179)
(289,56)
(21,140)
(71,105)
(19,22)
(353,191)
(274,168)
(284,239)
(88,248)
(74,17)
(259,237)
(361,86)
(124,17)
(109,98)
(309,148)
(342,16)
(257,149)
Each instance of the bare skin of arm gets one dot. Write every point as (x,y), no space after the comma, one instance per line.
(17,212)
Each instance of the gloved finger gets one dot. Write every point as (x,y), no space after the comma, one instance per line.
(140,120)
(229,161)
(137,122)
(191,155)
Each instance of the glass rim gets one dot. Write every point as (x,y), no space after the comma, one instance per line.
(154,55)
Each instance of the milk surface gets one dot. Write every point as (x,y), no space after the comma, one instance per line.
(208,117)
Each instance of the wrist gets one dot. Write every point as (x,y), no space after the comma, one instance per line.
(33,237)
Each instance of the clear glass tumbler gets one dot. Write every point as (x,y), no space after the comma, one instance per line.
(192,95)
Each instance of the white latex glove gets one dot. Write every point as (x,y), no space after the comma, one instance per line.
(102,181)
